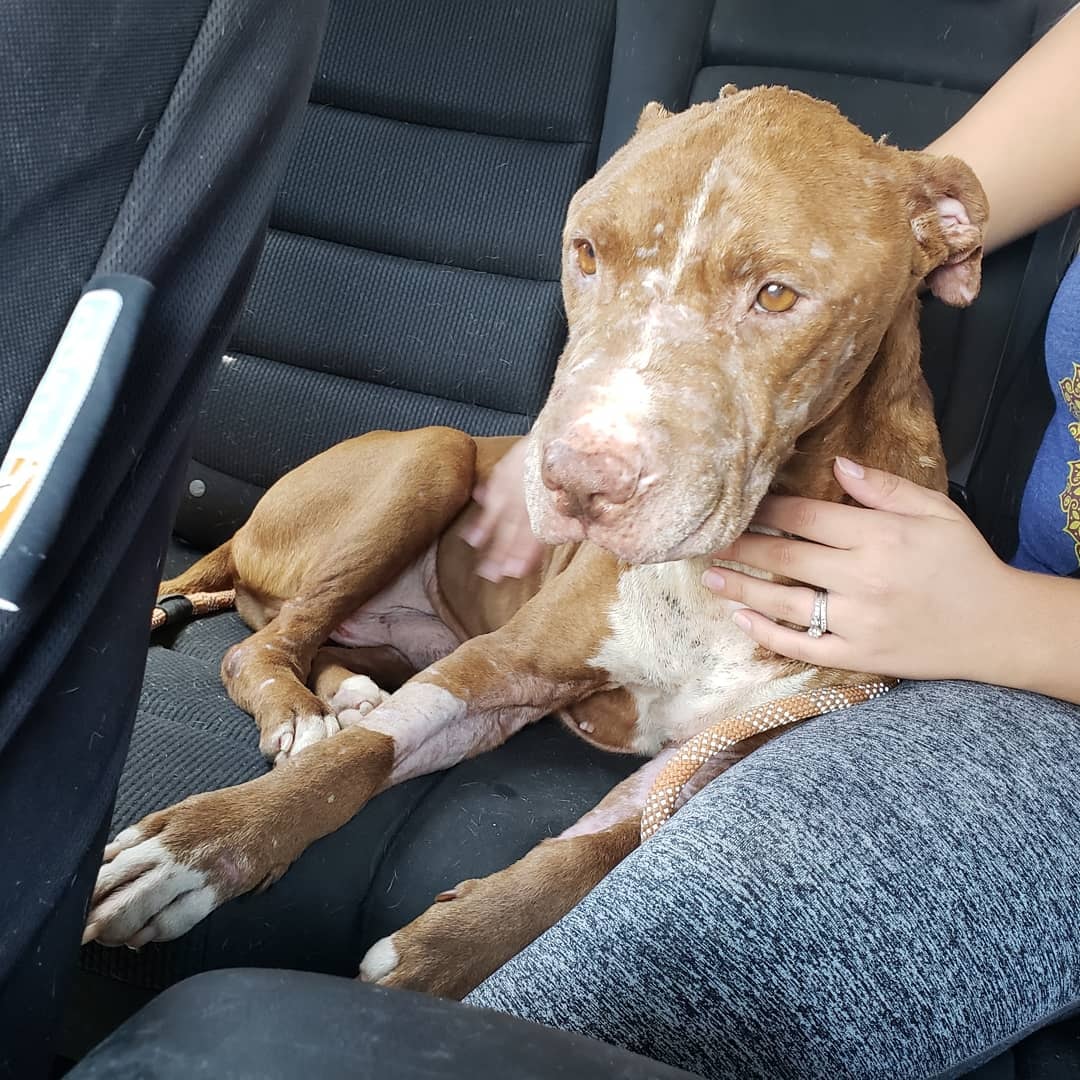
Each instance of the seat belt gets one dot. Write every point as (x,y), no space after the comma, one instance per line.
(50,452)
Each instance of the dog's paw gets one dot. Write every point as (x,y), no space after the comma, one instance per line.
(144,893)
(355,698)
(447,951)
(281,739)
(162,876)
(379,961)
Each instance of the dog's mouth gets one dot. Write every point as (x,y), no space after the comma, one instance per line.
(704,538)
(648,534)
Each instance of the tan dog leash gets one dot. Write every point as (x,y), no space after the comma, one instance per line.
(180,608)
(663,799)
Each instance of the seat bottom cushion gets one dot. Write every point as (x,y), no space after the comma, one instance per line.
(370,877)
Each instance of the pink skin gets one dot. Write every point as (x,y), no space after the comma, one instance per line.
(623,801)
(402,616)
(954,283)
(432,729)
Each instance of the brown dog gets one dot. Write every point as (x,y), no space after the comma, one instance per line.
(741,285)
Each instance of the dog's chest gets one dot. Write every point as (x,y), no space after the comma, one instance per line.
(674,647)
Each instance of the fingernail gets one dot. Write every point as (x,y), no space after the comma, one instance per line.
(489,572)
(714,580)
(471,536)
(741,621)
(514,567)
(850,468)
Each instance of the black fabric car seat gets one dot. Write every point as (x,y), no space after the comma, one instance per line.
(409,278)
(140,146)
(250,1025)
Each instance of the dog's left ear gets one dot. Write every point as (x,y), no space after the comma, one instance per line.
(948,216)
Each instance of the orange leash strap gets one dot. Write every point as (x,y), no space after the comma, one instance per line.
(663,799)
(170,610)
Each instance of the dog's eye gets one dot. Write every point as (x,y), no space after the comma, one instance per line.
(586,257)
(776,297)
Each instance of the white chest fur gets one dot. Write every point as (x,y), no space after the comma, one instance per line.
(674,647)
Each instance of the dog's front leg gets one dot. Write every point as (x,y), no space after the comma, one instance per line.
(475,927)
(163,875)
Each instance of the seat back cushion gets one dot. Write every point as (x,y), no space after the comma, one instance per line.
(410,276)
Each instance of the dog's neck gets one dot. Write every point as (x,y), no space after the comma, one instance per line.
(885,422)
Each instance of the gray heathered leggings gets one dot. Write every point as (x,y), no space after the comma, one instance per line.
(891,892)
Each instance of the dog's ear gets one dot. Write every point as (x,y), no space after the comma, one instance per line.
(948,215)
(650,116)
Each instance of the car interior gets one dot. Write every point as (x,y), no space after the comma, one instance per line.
(349,215)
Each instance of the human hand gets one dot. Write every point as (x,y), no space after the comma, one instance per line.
(500,527)
(913,589)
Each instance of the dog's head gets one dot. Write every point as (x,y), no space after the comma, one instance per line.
(729,276)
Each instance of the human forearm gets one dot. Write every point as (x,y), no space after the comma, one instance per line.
(1022,137)
(1035,645)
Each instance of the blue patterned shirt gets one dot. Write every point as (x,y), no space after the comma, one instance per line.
(1050,513)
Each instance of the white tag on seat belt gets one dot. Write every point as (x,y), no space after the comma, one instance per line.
(53,410)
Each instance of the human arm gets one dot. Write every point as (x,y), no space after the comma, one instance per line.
(500,521)
(913,591)
(1022,138)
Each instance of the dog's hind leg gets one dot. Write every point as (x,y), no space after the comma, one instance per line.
(322,542)
(475,927)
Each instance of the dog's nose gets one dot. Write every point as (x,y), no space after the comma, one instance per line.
(588,481)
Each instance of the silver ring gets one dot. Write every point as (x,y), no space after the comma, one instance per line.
(819,619)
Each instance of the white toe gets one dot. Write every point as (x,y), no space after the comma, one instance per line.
(278,742)
(380,960)
(180,916)
(313,729)
(123,867)
(126,839)
(358,692)
(152,879)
